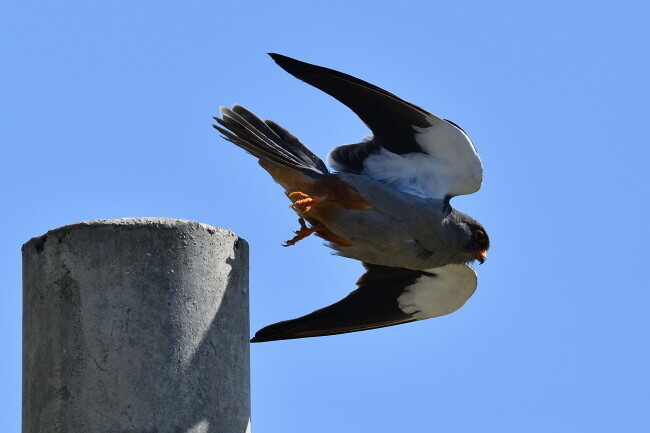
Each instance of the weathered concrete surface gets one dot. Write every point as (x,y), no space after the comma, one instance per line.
(136,325)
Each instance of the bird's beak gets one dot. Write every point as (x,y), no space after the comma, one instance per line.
(481,255)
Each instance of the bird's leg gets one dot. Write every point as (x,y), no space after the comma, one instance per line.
(305,201)
(301,233)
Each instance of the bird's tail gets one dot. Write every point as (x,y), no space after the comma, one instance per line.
(302,174)
(269,142)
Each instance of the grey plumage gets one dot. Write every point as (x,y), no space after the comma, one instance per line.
(388,206)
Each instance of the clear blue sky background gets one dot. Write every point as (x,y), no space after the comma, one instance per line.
(106,111)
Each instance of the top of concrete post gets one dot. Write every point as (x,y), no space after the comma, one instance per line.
(155,222)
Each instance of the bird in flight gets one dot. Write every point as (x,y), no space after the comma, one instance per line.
(386,204)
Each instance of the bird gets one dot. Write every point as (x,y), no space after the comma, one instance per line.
(386,203)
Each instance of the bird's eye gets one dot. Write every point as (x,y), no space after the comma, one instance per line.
(480,236)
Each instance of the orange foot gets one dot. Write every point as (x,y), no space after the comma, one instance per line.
(301,233)
(305,200)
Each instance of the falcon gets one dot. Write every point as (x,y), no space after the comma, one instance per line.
(386,203)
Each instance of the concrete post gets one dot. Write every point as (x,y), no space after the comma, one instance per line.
(136,325)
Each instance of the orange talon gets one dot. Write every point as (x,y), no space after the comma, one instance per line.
(298,194)
(306,200)
(301,233)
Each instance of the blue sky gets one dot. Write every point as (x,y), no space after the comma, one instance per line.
(106,114)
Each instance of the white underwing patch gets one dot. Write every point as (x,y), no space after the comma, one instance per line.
(447,166)
(442,293)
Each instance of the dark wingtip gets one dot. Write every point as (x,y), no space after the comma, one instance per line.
(271,333)
(277,58)
(286,62)
(262,339)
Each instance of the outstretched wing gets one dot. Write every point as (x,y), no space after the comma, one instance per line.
(386,296)
(411,149)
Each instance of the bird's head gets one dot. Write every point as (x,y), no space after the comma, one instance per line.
(479,242)
(470,237)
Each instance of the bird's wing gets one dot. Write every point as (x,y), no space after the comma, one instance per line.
(385,296)
(411,149)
